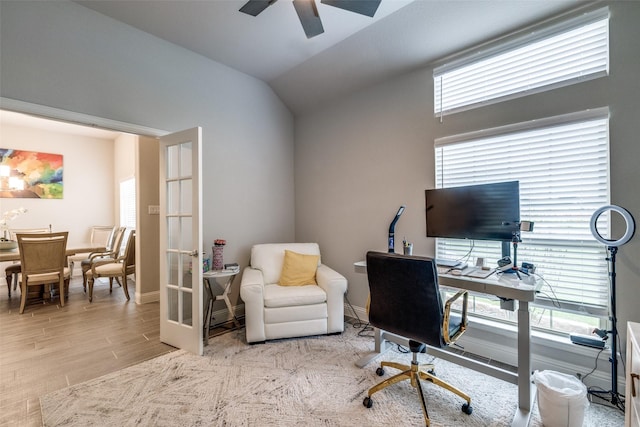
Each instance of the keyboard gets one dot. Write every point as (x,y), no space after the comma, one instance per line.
(446,262)
(477,272)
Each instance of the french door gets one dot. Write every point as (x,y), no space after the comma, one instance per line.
(181,240)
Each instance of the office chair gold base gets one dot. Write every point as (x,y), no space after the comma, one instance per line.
(414,373)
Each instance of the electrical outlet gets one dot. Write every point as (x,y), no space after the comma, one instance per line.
(154,210)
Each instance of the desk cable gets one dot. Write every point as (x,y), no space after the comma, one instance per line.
(364,327)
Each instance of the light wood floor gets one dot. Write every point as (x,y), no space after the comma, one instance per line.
(51,347)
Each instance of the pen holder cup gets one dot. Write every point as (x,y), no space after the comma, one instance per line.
(408,249)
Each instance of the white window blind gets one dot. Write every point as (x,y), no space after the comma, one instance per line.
(562,165)
(128,203)
(569,52)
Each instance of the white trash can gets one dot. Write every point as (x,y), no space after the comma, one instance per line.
(562,399)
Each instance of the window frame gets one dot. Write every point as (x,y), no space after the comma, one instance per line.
(509,44)
(546,300)
(127,197)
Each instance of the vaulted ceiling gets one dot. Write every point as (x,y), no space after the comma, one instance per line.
(354,51)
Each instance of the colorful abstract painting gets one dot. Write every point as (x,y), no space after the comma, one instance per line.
(30,174)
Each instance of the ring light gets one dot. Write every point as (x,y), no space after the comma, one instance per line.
(628,234)
(612,247)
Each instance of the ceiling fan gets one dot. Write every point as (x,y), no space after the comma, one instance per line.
(308,12)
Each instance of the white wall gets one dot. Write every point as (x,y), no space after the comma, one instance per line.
(63,55)
(358,159)
(147,225)
(125,149)
(87,179)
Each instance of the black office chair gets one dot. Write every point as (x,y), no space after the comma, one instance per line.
(405,300)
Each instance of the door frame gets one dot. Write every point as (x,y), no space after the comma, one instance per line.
(81,119)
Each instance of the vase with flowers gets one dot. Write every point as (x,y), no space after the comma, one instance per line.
(218,249)
(6,244)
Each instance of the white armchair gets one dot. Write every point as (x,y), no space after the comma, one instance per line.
(273,311)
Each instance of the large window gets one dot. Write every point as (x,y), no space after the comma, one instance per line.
(562,164)
(553,56)
(128,203)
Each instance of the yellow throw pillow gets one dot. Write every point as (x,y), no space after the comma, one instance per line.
(298,269)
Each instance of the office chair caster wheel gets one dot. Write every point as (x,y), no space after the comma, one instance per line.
(367,402)
(467,409)
(380,371)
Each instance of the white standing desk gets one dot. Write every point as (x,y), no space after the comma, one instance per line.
(506,287)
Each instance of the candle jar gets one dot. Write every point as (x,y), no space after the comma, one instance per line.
(218,263)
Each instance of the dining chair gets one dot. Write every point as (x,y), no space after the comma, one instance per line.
(118,268)
(111,252)
(100,236)
(43,259)
(12,271)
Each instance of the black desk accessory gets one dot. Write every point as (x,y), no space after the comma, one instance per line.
(392,227)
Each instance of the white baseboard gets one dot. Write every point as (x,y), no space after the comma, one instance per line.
(539,361)
(223,315)
(356,312)
(147,297)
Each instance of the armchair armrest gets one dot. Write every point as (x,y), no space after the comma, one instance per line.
(252,281)
(100,262)
(335,285)
(330,280)
(100,254)
(447,317)
(252,293)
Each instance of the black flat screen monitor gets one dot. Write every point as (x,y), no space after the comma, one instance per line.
(478,212)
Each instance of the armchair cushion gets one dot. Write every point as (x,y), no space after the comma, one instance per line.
(281,296)
(298,269)
(269,258)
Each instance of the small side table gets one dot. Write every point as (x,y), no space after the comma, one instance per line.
(218,276)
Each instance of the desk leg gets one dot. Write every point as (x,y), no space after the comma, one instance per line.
(207,316)
(525,394)
(381,346)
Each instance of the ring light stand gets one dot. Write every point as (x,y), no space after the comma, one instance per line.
(612,247)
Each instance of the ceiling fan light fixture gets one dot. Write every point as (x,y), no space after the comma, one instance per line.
(309,17)
(255,7)
(362,7)
(308,11)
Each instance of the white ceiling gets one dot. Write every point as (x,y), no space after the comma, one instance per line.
(50,125)
(355,51)
(264,46)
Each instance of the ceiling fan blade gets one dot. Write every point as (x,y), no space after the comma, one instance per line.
(255,7)
(363,7)
(309,18)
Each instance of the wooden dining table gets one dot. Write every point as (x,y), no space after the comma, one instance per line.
(72,249)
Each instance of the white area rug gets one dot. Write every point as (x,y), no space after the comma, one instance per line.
(305,381)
